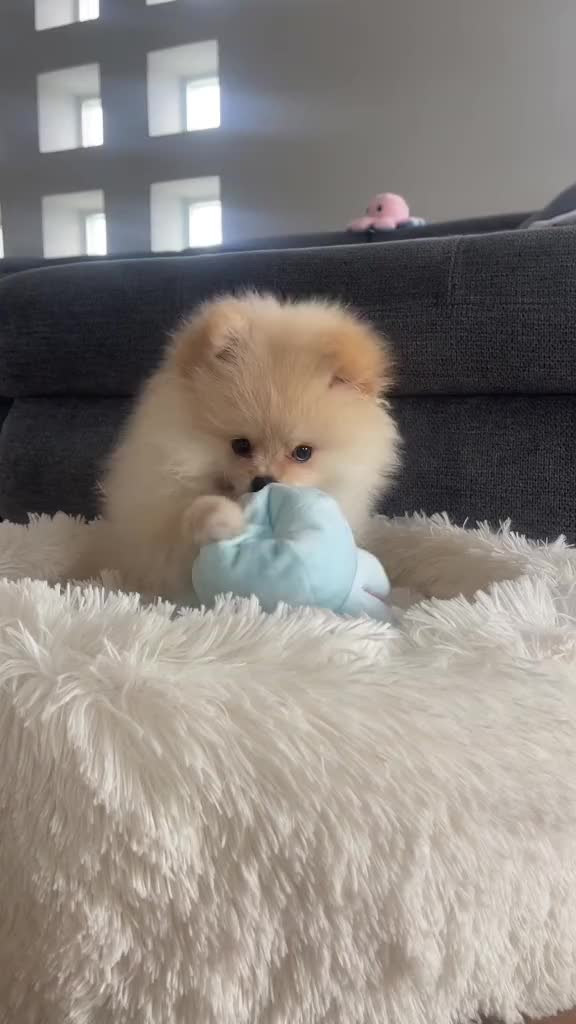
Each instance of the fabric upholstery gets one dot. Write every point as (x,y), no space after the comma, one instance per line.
(473,314)
(51,454)
(490,457)
(470,225)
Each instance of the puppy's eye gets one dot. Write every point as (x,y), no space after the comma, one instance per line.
(241,446)
(302,453)
(378,209)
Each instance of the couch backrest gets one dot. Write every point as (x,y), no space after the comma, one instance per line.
(483,330)
(471,225)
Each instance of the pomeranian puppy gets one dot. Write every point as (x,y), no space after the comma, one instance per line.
(252,390)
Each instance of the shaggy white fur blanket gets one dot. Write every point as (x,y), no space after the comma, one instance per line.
(228,818)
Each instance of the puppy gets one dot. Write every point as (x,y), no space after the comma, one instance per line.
(251,390)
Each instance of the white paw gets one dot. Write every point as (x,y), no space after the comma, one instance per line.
(214,518)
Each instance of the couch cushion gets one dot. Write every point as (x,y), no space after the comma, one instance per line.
(15,265)
(476,457)
(52,452)
(469,315)
(467,226)
(489,458)
(98,329)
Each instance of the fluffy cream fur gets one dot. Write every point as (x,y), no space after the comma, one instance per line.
(276,374)
(228,818)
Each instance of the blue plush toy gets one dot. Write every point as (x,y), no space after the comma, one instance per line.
(297,549)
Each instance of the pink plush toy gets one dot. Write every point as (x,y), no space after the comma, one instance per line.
(385,211)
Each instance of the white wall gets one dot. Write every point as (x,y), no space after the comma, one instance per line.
(52,13)
(168,210)
(167,72)
(59,94)
(466,106)
(63,222)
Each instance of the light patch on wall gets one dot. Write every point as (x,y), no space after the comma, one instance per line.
(54,13)
(185,213)
(74,224)
(95,239)
(63,121)
(183,88)
(88,10)
(91,121)
(204,223)
(202,102)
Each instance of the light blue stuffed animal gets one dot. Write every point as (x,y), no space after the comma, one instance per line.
(297,549)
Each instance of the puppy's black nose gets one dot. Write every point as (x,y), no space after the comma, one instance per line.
(259,482)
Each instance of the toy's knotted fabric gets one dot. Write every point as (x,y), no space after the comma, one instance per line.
(297,549)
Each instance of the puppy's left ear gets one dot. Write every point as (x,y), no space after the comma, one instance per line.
(361,359)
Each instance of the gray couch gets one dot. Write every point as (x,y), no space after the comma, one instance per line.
(472,225)
(482,325)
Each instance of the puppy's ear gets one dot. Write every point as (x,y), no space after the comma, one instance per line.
(214,334)
(360,358)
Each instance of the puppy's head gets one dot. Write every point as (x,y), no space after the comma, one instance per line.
(290,392)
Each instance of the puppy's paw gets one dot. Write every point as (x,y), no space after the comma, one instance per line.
(213,518)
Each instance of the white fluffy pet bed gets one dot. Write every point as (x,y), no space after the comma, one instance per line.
(228,818)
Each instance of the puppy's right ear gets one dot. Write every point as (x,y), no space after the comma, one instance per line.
(213,335)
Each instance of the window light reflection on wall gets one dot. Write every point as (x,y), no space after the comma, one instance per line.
(95,240)
(205,223)
(202,104)
(88,10)
(91,121)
